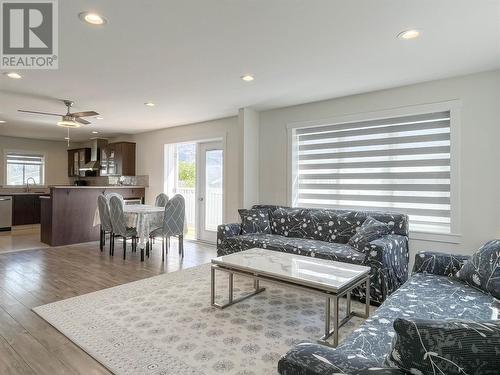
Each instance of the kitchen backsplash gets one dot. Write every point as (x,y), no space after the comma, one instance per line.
(115,180)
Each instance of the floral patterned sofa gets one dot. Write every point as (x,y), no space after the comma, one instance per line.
(429,294)
(324,233)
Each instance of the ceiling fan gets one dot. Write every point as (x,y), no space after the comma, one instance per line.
(69,120)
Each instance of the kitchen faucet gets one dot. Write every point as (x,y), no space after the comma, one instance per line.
(28,183)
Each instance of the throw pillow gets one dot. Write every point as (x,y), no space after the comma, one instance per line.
(254,221)
(370,230)
(482,271)
(446,347)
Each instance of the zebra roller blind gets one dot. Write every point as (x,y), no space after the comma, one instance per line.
(397,164)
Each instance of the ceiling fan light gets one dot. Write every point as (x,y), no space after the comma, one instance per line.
(68,124)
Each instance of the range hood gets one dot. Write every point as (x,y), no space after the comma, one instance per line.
(95,155)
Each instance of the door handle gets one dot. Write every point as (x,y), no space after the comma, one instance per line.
(5,199)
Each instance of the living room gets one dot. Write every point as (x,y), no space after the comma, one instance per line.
(252,188)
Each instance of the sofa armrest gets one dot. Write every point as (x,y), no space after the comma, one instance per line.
(388,257)
(316,359)
(227,230)
(437,263)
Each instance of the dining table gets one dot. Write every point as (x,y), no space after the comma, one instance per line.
(144,218)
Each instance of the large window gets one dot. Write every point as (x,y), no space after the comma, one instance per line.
(400,164)
(19,167)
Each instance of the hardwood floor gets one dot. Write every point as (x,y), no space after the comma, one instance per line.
(28,344)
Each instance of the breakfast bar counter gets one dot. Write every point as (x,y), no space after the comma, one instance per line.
(67,214)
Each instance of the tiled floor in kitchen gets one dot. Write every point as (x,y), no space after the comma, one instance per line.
(26,237)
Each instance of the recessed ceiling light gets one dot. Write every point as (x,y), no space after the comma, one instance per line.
(409,34)
(247,78)
(2,121)
(95,132)
(100,118)
(92,18)
(13,75)
(149,104)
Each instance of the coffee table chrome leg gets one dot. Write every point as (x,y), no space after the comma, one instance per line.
(335,331)
(348,307)
(367,304)
(231,284)
(212,286)
(327,318)
(231,298)
(335,321)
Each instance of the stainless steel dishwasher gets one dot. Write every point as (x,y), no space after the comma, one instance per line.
(5,213)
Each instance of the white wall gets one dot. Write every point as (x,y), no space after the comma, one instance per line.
(56,171)
(480,150)
(248,120)
(150,156)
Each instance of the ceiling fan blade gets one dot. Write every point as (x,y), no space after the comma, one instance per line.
(81,121)
(40,113)
(84,114)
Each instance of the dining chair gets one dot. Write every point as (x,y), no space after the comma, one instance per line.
(106,227)
(119,225)
(173,224)
(161,200)
(119,196)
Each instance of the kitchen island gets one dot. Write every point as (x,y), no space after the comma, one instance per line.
(67,214)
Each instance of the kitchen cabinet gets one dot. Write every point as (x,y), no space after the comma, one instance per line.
(77,158)
(25,209)
(118,159)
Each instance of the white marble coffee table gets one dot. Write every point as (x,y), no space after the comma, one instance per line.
(331,279)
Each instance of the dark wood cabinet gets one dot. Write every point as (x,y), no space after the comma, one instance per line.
(77,158)
(118,159)
(25,209)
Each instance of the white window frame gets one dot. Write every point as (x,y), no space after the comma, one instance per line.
(24,152)
(453,106)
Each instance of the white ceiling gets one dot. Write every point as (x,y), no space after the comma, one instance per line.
(187,57)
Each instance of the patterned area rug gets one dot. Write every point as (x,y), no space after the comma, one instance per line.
(165,325)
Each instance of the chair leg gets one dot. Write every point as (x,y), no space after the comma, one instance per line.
(124,247)
(147,248)
(162,248)
(101,235)
(112,244)
(181,245)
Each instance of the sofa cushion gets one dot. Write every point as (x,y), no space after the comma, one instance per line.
(317,224)
(288,222)
(370,230)
(446,347)
(299,246)
(482,271)
(254,221)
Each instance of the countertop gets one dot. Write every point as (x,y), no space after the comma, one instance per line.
(30,193)
(99,187)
